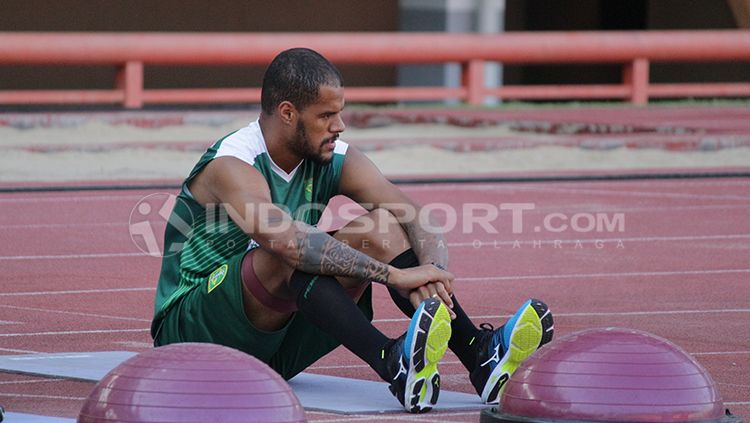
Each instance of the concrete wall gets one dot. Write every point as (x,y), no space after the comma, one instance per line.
(191,16)
(694,14)
(571,15)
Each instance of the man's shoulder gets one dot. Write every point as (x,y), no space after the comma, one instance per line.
(246,144)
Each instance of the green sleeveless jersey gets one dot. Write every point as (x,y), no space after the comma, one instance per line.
(198,239)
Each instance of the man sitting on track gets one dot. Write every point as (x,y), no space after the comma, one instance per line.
(268,282)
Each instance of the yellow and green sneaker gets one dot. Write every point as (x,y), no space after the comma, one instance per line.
(413,359)
(502,350)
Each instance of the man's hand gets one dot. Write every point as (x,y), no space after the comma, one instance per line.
(405,280)
(432,290)
(419,283)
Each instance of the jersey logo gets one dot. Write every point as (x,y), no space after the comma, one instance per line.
(308,189)
(217,277)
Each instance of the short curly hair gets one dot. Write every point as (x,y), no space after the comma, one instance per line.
(296,75)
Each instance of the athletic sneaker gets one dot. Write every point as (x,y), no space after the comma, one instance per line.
(413,358)
(501,351)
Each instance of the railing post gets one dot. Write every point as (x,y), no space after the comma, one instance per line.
(473,79)
(635,75)
(129,79)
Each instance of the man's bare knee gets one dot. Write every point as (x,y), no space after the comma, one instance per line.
(272,272)
(266,299)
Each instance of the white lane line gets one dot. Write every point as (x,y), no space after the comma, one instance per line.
(604,275)
(14,350)
(735,385)
(53,397)
(9,322)
(73,199)
(679,183)
(494,243)
(555,188)
(628,209)
(67,356)
(75,313)
(537,210)
(73,256)
(481,243)
(721,353)
(736,402)
(599,314)
(479,186)
(742,181)
(23,382)
(627,193)
(649,313)
(458,187)
(67,225)
(73,292)
(72,332)
(465,279)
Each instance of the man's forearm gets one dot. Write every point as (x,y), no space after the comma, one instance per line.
(320,253)
(429,246)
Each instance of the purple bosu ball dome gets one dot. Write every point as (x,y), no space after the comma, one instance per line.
(610,375)
(192,382)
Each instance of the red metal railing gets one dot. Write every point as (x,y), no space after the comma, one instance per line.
(130,52)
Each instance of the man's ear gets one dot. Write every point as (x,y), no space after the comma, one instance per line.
(288,113)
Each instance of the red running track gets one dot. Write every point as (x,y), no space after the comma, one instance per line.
(73,280)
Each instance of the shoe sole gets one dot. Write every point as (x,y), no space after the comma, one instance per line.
(525,338)
(430,331)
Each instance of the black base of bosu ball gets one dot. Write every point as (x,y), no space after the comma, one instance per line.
(610,375)
(493,415)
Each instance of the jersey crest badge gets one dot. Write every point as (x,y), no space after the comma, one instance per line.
(308,189)
(217,277)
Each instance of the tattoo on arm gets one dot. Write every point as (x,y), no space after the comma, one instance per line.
(320,253)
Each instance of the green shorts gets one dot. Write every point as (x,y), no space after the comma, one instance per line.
(218,317)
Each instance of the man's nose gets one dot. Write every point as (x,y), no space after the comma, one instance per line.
(338,124)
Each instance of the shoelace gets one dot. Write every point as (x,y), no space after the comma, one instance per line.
(486,326)
(486,332)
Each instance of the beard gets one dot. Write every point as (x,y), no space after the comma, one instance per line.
(303,147)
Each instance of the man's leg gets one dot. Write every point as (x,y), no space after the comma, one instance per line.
(273,291)
(462,342)
(215,312)
(416,354)
(327,304)
(391,245)
(490,355)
